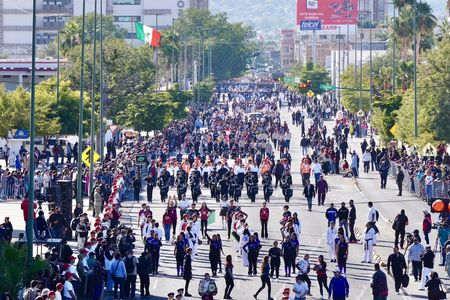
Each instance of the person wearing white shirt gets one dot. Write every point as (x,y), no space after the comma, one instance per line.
(148,227)
(331,241)
(158,230)
(317,170)
(183,205)
(368,242)
(300,288)
(372,214)
(366,158)
(69,292)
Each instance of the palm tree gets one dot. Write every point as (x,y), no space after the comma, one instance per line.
(403,30)
(425,24)
(405,74)
(443,31)
(70,36)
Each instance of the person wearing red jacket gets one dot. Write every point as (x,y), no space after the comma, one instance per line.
(264,218)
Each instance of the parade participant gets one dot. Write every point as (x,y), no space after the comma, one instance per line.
(264,218)
(275,261)
(288,256)
(428,265)
(434,287)
(368,242)
(194,181)
(383,169)
(303,267)
(300,288)
(229,277)
(143,270)
(187,271)
(426,225)
(416,251)
(150,185)
(397,261)
(321,270)
(205,212)
(399,180)
(244,239)
(399,224)
(163,183)
(331,236)
(343,216)
(215,248)
(252,247)
(338,288)
(207,288)
(267,187)
(351,222)
(321,190)
(331,214)
(286,185)
(180,246)
(342,253)
(379,284)
(309,192)
(265,279)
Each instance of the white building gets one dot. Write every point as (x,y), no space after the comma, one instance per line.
(16,17)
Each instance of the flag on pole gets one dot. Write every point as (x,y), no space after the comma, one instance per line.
(147,34)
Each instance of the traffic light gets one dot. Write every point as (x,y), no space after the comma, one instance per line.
(439,205)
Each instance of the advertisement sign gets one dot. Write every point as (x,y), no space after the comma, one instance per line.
(329,12)
(310,25)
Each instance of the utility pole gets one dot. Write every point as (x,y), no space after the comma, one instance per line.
(102,99)
(416,133)
(30,207)
(209,55)
(360,67)
(339,64)
(314,49)
(184,61)
(156,58)
(58,55)
(91,156)
(80,115)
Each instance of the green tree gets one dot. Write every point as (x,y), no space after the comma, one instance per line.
(71,33)
(181,99)
(128,72)
(170,48)
(231,44)
(148,112)
(202,91)
(317,75)
(385,109)
(433,102)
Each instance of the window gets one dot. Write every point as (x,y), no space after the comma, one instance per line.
(127,18)
(126,2)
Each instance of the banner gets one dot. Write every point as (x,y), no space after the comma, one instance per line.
(328,12)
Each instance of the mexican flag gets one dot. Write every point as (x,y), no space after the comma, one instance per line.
(147,34)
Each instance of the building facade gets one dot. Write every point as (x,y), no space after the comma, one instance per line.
(16,18)
(287,48)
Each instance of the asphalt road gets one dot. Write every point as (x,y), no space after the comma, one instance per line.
(312,239)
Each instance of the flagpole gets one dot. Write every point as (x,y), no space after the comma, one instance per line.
(91,156)
(156,58)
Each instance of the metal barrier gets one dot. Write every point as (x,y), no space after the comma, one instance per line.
(439,188)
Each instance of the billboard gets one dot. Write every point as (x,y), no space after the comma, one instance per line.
(330,13)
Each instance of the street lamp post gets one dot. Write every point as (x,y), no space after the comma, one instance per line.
(58,55)
(370,55)
(91,156)
(80,114)
(30,207)
(102,113)
(415,69)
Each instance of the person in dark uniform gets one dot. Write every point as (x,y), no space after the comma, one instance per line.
(195,186)
(181,183)
(396,262)
(275,260)
(150,186)
(252,186)
(286,185)
(137,186)
(163,183)
(187,273)
(399,180)
(267,186)
(351,222)
(252,248)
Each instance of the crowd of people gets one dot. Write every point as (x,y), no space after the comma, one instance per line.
(232,150)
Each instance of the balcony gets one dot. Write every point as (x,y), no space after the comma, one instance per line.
(55,7)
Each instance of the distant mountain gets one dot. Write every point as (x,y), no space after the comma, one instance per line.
(268,17)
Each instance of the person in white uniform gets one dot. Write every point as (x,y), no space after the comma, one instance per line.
(368,240)
(331,241)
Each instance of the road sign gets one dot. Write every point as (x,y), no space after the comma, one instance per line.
(86,157)
(21,134)
(310,93)
(327,87)
(289,79)
(297,80)
(141,159)
(394,129)
(429,150)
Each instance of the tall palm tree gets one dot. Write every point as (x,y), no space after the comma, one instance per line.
(403,30)
(444,30)
(425,22)
(70,36)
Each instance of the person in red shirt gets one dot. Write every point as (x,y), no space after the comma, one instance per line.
(204,215)
(24,207)
(264,218)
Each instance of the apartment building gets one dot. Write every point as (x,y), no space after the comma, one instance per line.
(16,18)
(287,48)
